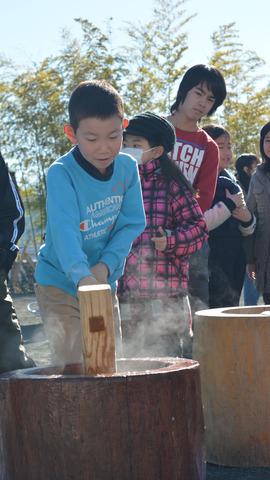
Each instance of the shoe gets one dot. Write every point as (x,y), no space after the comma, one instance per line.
(22,363)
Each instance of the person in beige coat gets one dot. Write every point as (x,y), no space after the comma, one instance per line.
(258,201)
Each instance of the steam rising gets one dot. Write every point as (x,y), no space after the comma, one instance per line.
(157,327)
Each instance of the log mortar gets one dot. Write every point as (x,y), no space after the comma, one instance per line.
(232,346)
(143,422)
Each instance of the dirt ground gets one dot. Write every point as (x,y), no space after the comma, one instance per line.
(38,347)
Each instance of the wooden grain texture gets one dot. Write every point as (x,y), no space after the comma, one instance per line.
(97,323)
(232,346)
(141,425)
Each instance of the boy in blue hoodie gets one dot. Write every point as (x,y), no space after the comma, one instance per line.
(94,212)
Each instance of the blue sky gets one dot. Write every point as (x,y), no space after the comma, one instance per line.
(31,29)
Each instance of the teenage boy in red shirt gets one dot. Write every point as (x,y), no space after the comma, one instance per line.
(201,91)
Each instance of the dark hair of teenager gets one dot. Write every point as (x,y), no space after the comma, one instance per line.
(245,160)
(266,160)
(94,98)
(198,75)
(215,131)
(170,170)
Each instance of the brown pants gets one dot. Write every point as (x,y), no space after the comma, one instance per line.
(60,314)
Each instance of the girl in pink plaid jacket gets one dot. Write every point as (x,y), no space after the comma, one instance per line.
(155,312)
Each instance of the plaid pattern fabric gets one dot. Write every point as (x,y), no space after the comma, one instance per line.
(150,273)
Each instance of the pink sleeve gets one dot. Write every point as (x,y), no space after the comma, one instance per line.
(190,231)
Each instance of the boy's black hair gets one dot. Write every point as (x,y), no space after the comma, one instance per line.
(94,98)
(245,160)
(198,75)
(159,132)
(215,131)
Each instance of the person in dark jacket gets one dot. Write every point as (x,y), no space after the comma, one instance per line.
(245,166)
(12,223)
(227,257)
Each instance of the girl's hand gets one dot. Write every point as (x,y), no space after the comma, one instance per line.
(237,198)
(161,241)
(242,213)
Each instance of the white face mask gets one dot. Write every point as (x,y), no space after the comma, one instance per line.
(136,153)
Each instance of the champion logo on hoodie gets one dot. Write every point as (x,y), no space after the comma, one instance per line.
(85,225)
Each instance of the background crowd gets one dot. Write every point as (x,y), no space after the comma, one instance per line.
(163,217)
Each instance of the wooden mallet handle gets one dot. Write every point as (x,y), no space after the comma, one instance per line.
(97,324)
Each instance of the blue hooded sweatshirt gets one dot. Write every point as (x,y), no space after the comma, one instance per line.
(89,221)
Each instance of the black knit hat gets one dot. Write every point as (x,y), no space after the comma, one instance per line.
(157,130)
(265,129)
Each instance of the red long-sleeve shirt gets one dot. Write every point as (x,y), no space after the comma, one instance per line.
(198,157)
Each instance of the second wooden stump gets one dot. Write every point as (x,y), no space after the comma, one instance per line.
(233,348)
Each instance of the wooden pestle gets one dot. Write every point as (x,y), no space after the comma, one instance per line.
(97,324)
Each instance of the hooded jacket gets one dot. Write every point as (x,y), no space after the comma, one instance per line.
(12,222)
(258,202)
(150,273)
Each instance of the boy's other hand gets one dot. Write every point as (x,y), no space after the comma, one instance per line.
(89,280)
(101,272)
(161,241)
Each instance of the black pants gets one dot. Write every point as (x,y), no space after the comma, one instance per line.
(266,298)
(198,279)
(12,351)
(226,274)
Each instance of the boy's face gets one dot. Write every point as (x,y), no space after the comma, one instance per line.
(198,102)
(99,140)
